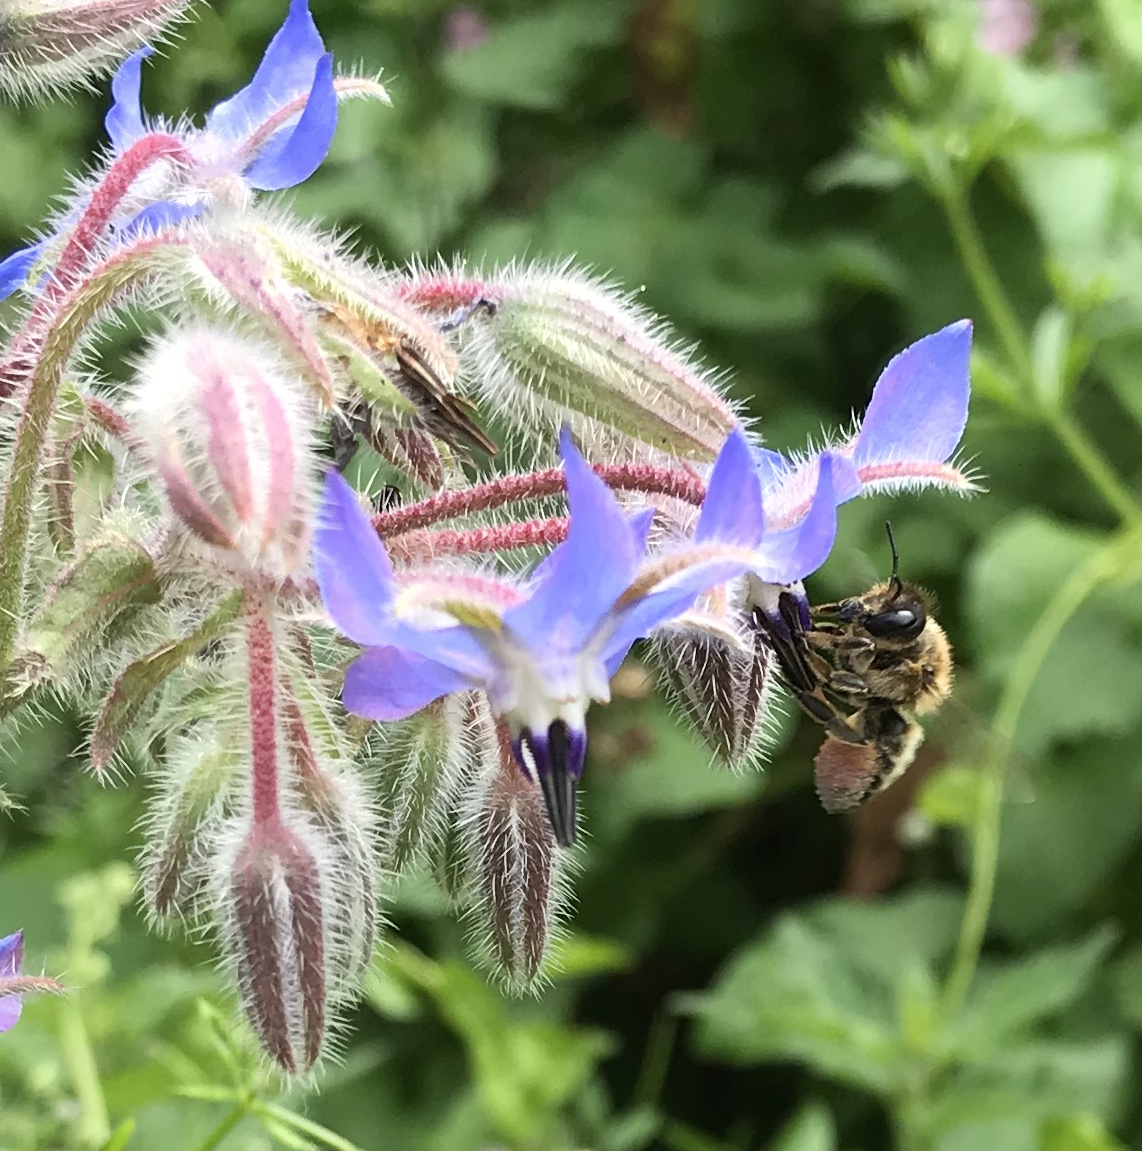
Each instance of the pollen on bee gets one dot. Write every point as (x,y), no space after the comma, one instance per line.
(844,773)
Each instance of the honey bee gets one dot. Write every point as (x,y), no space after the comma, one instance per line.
(865,669)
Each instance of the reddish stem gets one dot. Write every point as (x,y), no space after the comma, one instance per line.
(263,711)
(422,545)
(73,260)
(109,418)
(646,478)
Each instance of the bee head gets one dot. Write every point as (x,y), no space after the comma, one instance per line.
(900,613)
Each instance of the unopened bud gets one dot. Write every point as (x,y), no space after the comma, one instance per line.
(724,690)
(333,797)
(421,766)
(542,342)
(274,930)
(183,823)
(230,436)
(513,854)
(399,365)
(54,44)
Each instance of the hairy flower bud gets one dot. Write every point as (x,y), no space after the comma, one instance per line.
(53,44)
(333,798)
(724,690)
(271,906)
(513,856)
(229,435)
(420,768)
(539,342)
(183,823)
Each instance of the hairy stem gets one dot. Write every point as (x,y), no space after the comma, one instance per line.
(262,694)
(679,483)
(423,545)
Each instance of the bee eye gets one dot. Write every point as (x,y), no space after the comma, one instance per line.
(896,623)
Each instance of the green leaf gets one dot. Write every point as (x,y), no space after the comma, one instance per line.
(1077,1133)
(1088,684)
(950,796)
(1058,849)
(534,60)
(145,675)
(811,1129)
(1123,19)
(820,988)
(1008,999)
(120,1137)
(109,582)
(1050,347)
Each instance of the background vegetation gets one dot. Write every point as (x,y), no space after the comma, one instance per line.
(803,188)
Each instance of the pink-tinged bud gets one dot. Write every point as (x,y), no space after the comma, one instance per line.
(725,691)
(333,798)
(512,852)
(54,44)
(229,434)
(1007,26)
(272,910)
(538,343)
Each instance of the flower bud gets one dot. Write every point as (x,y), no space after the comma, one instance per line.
(183,823)
(724,690)
(272,910)
(229,435)
(513,856)
(335,801)
(539,342)
(421,766)
(52,44)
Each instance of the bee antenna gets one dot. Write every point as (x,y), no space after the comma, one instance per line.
(894,582)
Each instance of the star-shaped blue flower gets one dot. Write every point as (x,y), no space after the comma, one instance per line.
(272,134)
(11,958)
(907,440)
(545,650)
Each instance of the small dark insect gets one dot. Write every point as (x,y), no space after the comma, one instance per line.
(864,669)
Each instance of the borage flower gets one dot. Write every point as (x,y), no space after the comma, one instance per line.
(543,650)
(272,134)
(906,441)
(14,985)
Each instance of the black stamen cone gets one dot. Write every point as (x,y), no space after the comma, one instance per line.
(559,785)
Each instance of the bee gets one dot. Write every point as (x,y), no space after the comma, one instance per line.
(865,669)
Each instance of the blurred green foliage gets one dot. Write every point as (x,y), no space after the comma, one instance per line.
(803,188)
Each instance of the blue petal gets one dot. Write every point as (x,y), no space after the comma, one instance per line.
(353,569)
(386,683)
(124,122)
(14,269)
(586,573)
(920,403)
(285,73)
(455,646)
(771,466)
(159,215)
(293,156)
(732,511)
(11,953)
(787,556)
(10,1008)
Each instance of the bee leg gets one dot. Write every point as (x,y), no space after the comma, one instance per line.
(848,684)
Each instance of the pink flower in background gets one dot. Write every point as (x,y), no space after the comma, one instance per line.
(1007,26)
(465,29)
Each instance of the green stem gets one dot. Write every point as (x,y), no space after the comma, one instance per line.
(986,281)
(229,1121)
(989,287)
(1101,566)
(1093,465)
(93,1128)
